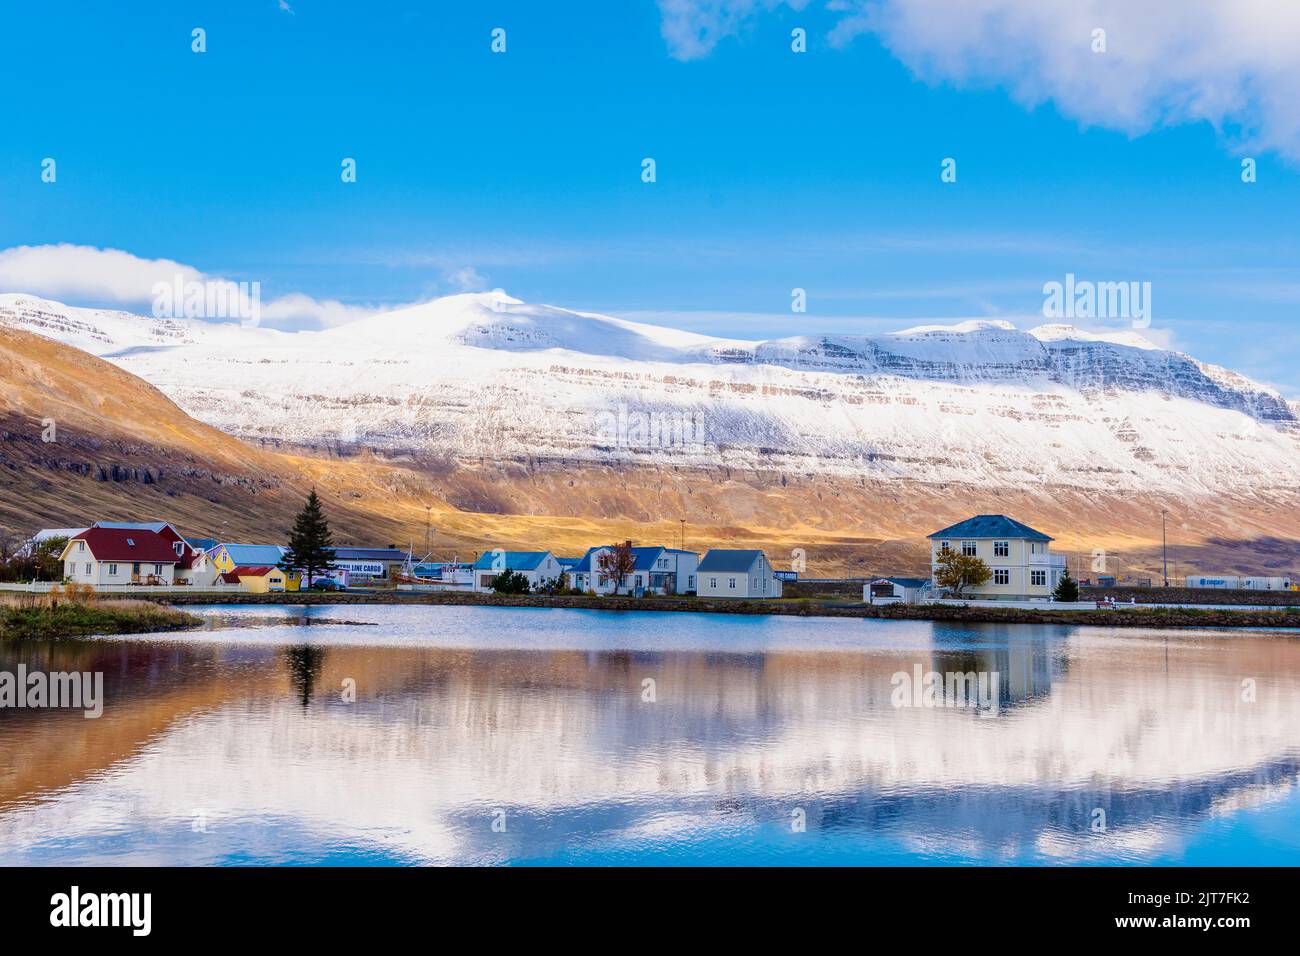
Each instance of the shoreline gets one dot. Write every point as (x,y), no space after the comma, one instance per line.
(1137,616)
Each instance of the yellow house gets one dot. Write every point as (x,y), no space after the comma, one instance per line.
(1019,559)
(261,580)
(228,558)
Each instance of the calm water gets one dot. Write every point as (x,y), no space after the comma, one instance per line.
(493,735)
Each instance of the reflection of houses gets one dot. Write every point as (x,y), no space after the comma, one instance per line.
(535,566)
(1019,557)
(103,556)
(738,574)
(896,590)
(655,570)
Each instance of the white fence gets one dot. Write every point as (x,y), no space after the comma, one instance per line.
(141,590)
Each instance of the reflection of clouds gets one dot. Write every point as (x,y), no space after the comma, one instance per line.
(1153,733)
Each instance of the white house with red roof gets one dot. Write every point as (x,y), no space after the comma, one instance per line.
(121,555)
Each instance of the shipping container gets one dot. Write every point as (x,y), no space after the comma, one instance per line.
(1204,581)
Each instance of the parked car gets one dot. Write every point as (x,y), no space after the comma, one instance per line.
(327,584)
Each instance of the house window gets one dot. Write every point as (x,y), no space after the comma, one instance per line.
(87,567)
(943,547)
(157,569)
(732,585)
(713,582)
(112,570)
(690,582)
(72,568)
(1038,578)
(969,549)
(81,546)
(638,580)
(1001,576)
(1001,549)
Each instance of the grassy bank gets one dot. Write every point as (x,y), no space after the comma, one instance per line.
(78,615)
(975,613)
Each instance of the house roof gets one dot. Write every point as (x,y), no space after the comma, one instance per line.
(156,526)
(514,560)
(255,572)
(569,563)
(202,544)
(253,554)
(126,544)
(369,554)
(905,582)
(723,559)
(643,559)
(991,526)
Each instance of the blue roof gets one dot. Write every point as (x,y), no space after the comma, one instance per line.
(721,559)
(202,544)
(253,554)
(514,560)
(643,559)
(990,526)
(569,563)
(908,582)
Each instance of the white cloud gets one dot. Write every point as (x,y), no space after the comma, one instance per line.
(1232,63)
(466,279)
(101,277)
(692,28)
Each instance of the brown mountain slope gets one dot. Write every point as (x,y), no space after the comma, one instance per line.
(122,450)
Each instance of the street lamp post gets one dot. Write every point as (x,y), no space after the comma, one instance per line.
(1164,547)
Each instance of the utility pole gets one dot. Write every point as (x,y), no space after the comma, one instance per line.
(683,520)
(1164,546)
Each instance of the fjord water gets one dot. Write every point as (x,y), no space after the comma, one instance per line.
(525,735)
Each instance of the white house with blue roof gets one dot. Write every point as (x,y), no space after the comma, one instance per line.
(728,573)
(655,570)
(1020,557)
(536,566)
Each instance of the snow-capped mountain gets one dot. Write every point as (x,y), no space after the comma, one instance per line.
(487,375)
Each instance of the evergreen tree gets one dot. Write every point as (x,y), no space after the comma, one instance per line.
(510,582)
(1067,589)
(311,546)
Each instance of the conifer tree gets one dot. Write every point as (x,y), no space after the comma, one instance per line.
(311,546)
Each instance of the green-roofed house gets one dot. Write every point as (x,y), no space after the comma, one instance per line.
(1020,557)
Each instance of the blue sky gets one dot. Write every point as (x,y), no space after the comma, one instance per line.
(775,170)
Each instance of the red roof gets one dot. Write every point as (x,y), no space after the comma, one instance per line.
(255,572)
(230,577)
(126,544)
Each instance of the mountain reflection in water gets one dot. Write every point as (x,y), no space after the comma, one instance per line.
(488,735)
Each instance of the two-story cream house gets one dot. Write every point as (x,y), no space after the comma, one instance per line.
(1020,558)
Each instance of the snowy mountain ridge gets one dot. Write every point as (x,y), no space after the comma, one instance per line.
(488,375)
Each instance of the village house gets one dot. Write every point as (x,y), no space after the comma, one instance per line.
(1020,558)
(655,570)
(225,558)
(258,580)
(535,566)
(895,590)
(737,574)
(102,556)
